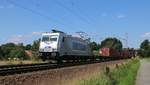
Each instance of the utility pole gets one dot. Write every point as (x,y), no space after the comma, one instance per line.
(84,36)
(126,39)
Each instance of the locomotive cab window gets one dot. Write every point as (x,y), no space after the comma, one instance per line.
(45,38)
(49,38)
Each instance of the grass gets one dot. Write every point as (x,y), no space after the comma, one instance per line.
(148,59)
(124,74)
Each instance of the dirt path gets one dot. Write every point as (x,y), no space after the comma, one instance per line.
(143,77)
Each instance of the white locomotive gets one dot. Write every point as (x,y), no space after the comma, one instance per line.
(58,45)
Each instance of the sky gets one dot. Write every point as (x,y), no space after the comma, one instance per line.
(24,20)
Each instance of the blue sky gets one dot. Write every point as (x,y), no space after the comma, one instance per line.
(23,20)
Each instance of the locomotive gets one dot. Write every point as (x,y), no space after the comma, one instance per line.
(57,45)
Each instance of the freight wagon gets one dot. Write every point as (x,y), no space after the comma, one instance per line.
(124,53)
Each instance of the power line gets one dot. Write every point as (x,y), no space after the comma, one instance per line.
(38,5)
(69,10)
(81,12)
(31,10)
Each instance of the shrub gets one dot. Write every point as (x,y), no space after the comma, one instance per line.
(124,74)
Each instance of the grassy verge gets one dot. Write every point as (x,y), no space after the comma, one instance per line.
(124,74)
(148,59)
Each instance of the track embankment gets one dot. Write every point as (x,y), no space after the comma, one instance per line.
(61,76)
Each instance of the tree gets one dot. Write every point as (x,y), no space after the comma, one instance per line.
(1,53)
(28,47)
(94,46)
(35,45)
(6,48)
(20,45)
(144,49)
(18,53)
(113,43)
(145,45)
(13,50)
(18,50)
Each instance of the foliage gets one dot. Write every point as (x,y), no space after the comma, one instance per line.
(94,46)
(1,53)
(6,49)
(113,43)
(35,56)
(121,75)
(28,47)
(98,80)
(11,50)
(144,50)
(126,74)
(18,53)
(145,45)
(35,45)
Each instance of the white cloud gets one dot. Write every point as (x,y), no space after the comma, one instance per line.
(36,33)
(146,35)
(22,38)
(114,15)
(16,39)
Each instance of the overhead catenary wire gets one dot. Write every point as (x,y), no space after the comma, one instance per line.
(73,13)
(38,5)
(33,11)
(38,13)
(82,12)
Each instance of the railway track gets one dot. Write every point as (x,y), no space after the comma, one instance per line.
(24,68)
(17,69)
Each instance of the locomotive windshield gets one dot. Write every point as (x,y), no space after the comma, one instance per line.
(49,38)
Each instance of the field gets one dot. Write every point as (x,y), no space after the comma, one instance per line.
(124,74)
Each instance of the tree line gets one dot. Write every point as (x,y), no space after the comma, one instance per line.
(11,50)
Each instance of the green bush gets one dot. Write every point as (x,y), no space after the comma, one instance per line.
(126,74)
(99,80)
(121,75)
